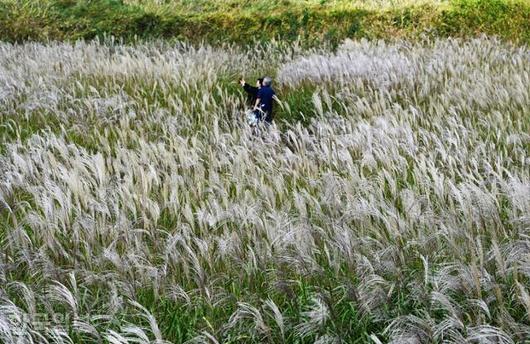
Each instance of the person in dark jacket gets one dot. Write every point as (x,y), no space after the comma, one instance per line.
(265,99)
(252,92)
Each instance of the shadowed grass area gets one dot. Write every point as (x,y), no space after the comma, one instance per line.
(243,22)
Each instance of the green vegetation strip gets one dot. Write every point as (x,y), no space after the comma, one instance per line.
(242,22)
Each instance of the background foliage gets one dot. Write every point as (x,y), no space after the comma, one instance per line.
(245,21)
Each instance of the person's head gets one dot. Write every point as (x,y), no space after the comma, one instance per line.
(259,82)
(267,81)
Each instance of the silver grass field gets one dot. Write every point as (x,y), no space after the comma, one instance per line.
(136,206)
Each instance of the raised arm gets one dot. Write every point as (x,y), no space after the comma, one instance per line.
(249,89)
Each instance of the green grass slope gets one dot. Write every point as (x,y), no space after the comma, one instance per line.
(244,21)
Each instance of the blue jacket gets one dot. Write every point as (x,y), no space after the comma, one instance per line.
(265,95)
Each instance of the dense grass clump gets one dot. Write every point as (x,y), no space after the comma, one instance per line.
(247,21)
(137,207)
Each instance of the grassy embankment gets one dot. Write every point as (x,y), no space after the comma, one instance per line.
(243,21)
